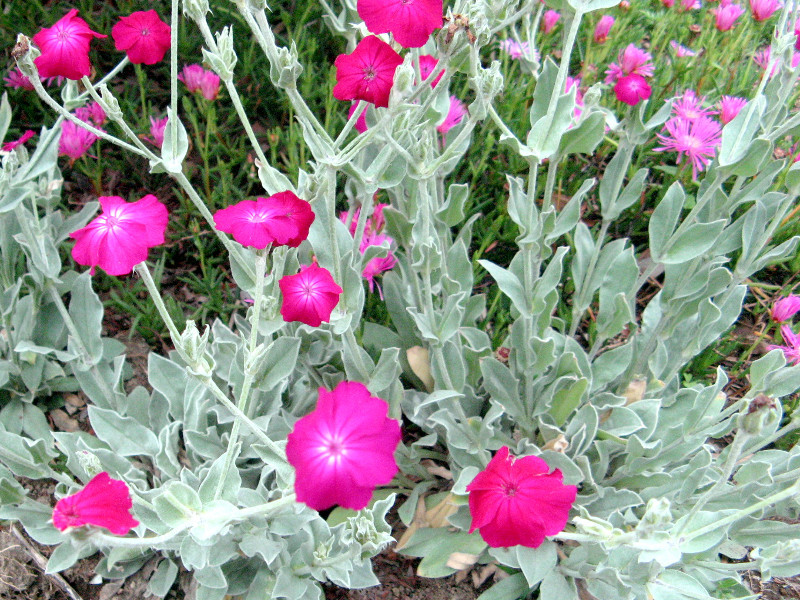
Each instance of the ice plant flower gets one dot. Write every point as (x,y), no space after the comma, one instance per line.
(198,79)
(681,51)
(791,349)
(632,61)
(726,15)
(454,115)
(143,36)
(65,48)
(729,107)
(119,238)
(411,22)
(517,50)
(764,9)
(367,73)
(103,502)
(427,65)
(157,127)
(687,5)
(282,219)
(631,89)
(343,449)
(762,59)
(309,296)
(8,146)
(668,3)
(75,141)
(15,79)
(604,25)
(92,113)
(688,106)
(696,139)
(550,19)
(785,308)
(518,501)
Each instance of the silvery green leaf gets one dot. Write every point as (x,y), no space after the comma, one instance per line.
(63,557)
(536,563)
(5,116)
(584,138)
(435,545)
(163,578)
(567,396)
(452,212)
(509,588)
(24,457)
(676,585)
(211,481)
(509,284)
(44,158)
(629,195)
(737,134)
(545,134)
(86,311)
(13,197)
(386,371)
(571,213)
(708,540)
(502,386)
(585,6)
(124,435)
(278,362)
(177,503)
(555,585)
(693,242)
(175,147)
(756,156)
(664,220)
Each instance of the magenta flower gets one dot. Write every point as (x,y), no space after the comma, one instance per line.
(604,25)
(764,9)
(15,79)
(427,65)
(726,15)
(688,106)
(283,219)
(361,121)
(696,139)
(785,308)
(575,82)
(119,238)
(157,127)
(343,449)
(454,116)
(65,48)
(729,107)
(517,50)
(92,113)
(378,266)
(310,296)
(518,501)
(198,79)
(103,502)
(550,19)
(75,141)
(668,3)
(762,58)
(410,22)
(367,73)
(797,35)
(792,348)
(632,61)
(681,51)
(687,5)
(9,146)
(631,89)
(143,36)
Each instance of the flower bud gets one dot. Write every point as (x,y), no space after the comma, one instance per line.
(761,413)
(89,462)
(24,54)
(194,347)
(195,9)
(223,61)
(285,71)
(109,103)
(403,79)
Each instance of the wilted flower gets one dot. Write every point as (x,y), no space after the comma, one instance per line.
(604,25)
(103,502)
(119,238)
(343,449)
(143,36)
(8,146)
(309,296)
(550,19)
(729,107)
(411,23)
(785,308)
(681,51)
(688,106)
(764,9)
(631,89)
(75,141)
(791,349)
(726,15)
(632,61)
(282,219)
(518,501)
(696,139)
(367,73)
(65,48)
(198,79)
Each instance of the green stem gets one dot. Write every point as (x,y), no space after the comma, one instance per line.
(173,70)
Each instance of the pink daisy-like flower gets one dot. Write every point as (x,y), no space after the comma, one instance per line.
(119,238)
(764,9)
(688,106)
(518,501)
(411,22)
(696,139)
(632,61)
(785,308)
(157,127)
(682,51)
(726,15)
(92,113)
(729,107)
(427,65)
(310,296)
(604,25)
(143,36)
(15,79)
(65,48)
(632,89)
(791,349)
(454,116)
(75,141)
(103,502)
(551,17)
(762,58)
(282,219)
(344,449)
(517,50)
(8,146)
(687,5)
(198,79)
(367,73)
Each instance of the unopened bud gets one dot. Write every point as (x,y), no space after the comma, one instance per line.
(223,61)
(109,103)
(285,71)
(403,79)
(195,9)
(761,413)
(89,462)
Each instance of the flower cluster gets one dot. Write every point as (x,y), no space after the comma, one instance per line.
(629,75)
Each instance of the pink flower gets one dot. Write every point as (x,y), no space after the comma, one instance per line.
(143,36)
(668,3)
(517,501)
(690,107)
(65,48)
(75,141)
(517,50)
(282,219)
(119,238)
(762,59)
(427,65)
(550,19)
(377,266)
(682,51)
(454,115)
(198,79)
(157,127)
(310,296)
(92,113)
(103,502)
(763,9)
(696,139)
(687,5)
(8,146)
(785,308)
(410,22)
(575,82)
(631,89)
(632,61)
(726,15)
(797,35)
(367,73)
(729,107)
(604,25)
(343,449)
(15,79)
(792,348)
